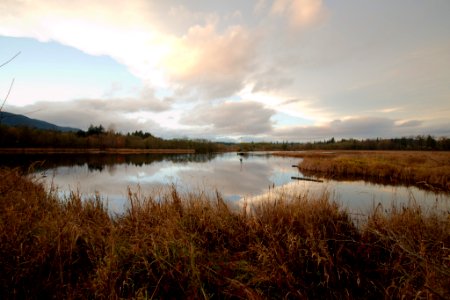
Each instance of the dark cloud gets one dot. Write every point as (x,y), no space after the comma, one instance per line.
(273,78)
(70,114)
(368,126)
(233,118)
(440,129)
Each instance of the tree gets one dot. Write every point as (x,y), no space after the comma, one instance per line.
(431,142)
(95,130)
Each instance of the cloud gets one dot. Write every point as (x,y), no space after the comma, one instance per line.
(231,121)
(204,58)
(119,112)
(123,105)
(300,13)
(389,109)
(73,114)
(410,123)
(271,79)
(213,62)
(360,127)
(146,101)
(268,56)
(232,118)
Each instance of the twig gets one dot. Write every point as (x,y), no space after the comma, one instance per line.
(10,86)
(7,95)
(9,60)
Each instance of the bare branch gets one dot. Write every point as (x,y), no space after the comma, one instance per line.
(10,86)
(7,95)
(8,61)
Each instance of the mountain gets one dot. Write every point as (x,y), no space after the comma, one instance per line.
(10,119)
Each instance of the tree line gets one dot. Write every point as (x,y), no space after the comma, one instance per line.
(95,137)
(417,143)
(100,138)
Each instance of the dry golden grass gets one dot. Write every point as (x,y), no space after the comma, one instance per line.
(429,170)
(191,246)
(409,248)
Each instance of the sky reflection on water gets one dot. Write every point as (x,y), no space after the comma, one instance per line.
(256,178)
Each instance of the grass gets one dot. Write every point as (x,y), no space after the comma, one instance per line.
(429,170)
(191,246)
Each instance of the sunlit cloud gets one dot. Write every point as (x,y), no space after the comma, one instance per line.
(297,107)
(408,123)
(299,12)
(201,57)
(209,61)
(389,109)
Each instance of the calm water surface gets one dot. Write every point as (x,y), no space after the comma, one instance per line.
(253,178)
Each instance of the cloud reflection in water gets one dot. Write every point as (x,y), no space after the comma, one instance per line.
(255,178)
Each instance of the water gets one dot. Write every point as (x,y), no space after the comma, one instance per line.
(251,178)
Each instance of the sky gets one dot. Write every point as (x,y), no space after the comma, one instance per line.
(254,70)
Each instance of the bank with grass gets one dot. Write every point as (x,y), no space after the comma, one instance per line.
(429,170)
(176,245)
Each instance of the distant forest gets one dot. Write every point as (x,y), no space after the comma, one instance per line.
(420,142)
(99,138)
(95,137)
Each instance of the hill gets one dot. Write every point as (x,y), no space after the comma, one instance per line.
(15,120)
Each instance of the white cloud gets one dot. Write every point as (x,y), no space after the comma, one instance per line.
(203,58)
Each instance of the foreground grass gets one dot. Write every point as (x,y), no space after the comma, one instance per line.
(429,170)
(193,247)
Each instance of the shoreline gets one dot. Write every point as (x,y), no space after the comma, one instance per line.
(93,151)
(425,169)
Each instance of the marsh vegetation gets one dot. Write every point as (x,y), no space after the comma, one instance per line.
(184,245)
(429,170)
